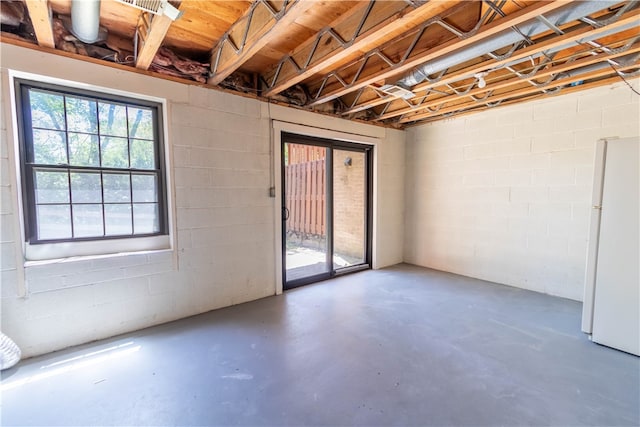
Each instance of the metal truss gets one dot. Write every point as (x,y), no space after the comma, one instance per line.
(404,108)
(320,96)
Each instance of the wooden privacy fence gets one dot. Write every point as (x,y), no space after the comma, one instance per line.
(305,197)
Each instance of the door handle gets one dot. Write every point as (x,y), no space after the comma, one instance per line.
(285,214)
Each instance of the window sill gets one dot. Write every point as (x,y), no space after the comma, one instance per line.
(81,258)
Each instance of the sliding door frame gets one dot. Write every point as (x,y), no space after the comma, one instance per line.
(330,145)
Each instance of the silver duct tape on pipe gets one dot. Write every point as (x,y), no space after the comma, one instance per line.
(571,12)
(85,20)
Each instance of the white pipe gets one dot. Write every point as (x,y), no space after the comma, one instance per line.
(85,20)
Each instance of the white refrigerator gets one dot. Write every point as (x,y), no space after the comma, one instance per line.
(611,310)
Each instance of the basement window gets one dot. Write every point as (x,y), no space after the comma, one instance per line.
(93,172)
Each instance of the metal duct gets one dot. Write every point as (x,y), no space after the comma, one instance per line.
(85,20)
(623,61)
(571,12)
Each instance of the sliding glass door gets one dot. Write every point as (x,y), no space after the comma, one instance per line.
(326,208)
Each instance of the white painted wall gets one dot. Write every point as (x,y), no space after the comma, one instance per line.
(224,245)
(504,195)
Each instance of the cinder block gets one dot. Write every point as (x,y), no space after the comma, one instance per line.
(590,119)
(479,151)
(147,269)
(559,106)
(92,277)
(121,289)
(572,158)
(606,96)
(622,115)
(553,142)
(588,138)
(9,283)
(528,194)
(576,193)
(548,245)
(513,146)
(529,161)
(555,176)
(517,178)
(7,256)
(546,210)
(4,141)
(533,128)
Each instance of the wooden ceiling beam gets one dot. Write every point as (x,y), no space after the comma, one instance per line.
(570,37)
(252,33)
(513,81)
(333,91)
(583,32)
(604,72)
(326,58)
(40,14)
(152,30)
(590,85)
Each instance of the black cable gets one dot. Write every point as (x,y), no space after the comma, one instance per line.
(624,80)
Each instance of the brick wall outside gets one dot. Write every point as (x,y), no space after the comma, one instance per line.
(349,204)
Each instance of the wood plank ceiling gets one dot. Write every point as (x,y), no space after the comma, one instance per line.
(395,63)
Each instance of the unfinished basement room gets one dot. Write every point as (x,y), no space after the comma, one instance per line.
(320,213)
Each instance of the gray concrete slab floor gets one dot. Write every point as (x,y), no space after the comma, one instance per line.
(400,346)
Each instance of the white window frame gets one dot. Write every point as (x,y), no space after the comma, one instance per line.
(55,251)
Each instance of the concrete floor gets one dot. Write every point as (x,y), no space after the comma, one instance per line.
(400,346)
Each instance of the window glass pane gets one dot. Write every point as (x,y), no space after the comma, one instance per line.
(51,187)
(142,154)
(47,110)
(83,150)
(87,220)
(113,119)
(140,123)
(49,147)
(115,152)
(117,220)
(145,218)
(54,222)
(81,115)
(144,188)
(85,187)
(116,187)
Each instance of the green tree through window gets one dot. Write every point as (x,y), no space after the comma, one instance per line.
(92,165)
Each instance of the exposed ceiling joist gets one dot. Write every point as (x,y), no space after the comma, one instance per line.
(565,91)
(152,30)
(553,71)
(40,14)
(528,90)
(585,33)
(317,57)
(389,62)
(252,33)
(328,92)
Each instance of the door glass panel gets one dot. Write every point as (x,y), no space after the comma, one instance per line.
(349,208)
(305,186)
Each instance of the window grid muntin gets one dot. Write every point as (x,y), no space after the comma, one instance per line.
(30,167)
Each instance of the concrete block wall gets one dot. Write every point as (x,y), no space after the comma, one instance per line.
(223,217)
(504,195)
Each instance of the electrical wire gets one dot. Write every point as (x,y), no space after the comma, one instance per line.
(624,80)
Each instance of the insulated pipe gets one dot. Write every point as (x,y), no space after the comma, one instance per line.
(571,12)
(624,61)
(85,20)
